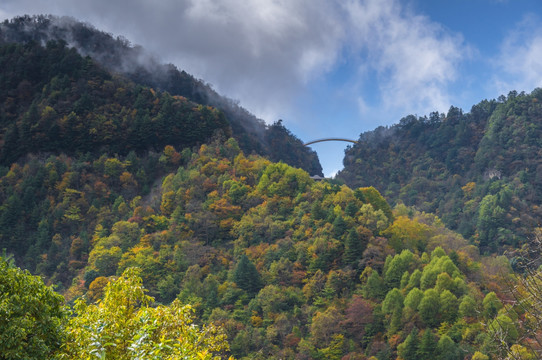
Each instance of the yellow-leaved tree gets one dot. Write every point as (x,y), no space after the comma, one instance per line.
(124,326)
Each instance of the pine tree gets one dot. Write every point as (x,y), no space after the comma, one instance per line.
(339,226)
(353,248)
(246,276)
(351,209)
(428,345)
(317,212)
(447,349)
(408,350)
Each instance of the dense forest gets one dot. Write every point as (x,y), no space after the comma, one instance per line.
(118,56)
(56,101)
(481,172)
(286,266)
(151,227)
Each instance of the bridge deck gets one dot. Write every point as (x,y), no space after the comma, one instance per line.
(329,139)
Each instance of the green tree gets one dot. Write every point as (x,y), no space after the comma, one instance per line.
(31,316)
(439,264)
(490,219)
(335,350)
(429,307)
(408,350)
(353,248)
(503,329)
(428,345)
(168,288)
(397,267)
(317,213)
(105,260)
(125,326)
(393,306)
(448,306)
(375,287)
(467,307)
(518,352)
(444,282)
(447,349)
(393,302)
(351,209)
(246,276)
(339,226)
(491,305)
(414,280)
(412,301)
(479,356)
(373,197)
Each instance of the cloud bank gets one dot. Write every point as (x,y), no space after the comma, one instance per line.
(265,53)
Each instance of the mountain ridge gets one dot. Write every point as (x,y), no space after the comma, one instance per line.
(131,179)
(117,55)
(477,171)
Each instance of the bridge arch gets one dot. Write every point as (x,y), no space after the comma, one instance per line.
(329,139)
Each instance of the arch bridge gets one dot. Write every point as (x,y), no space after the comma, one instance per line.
(329,139)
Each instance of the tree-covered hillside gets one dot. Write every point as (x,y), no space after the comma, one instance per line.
(156,217)
(479,171)
(288,267)
(118,56)
(53,100)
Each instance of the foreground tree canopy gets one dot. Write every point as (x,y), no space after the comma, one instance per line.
(36,325)
(31,315)
(124,326)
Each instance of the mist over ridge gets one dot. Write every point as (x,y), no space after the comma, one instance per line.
(118,55)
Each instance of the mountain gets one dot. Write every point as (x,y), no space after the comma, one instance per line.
(132,200)
(56,101)
(117,56)
(287,266)
(479,171)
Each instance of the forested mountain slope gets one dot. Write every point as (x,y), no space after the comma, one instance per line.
(54,100)
(117,56)
(481,172)
(288,267)
(100,174)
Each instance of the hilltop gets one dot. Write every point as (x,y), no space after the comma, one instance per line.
(479,171)
(116,57)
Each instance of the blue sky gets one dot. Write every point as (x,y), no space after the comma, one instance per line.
(331,68)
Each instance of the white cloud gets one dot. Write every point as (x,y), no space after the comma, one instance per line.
(519,64)
(261,52)
(363,107)
(265,52)
(414,58)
